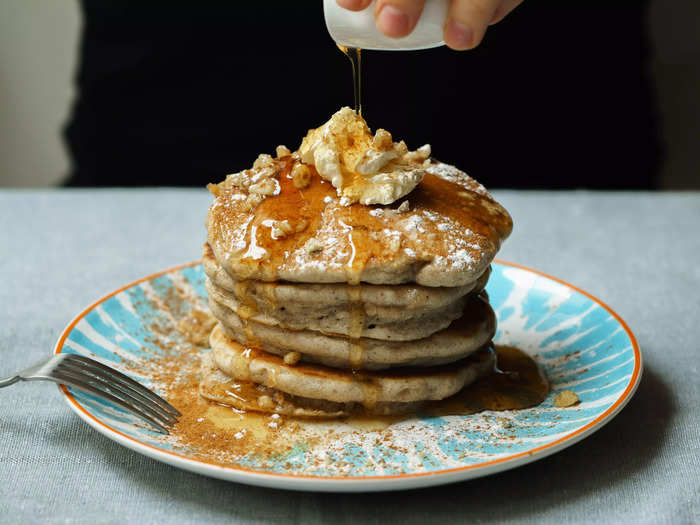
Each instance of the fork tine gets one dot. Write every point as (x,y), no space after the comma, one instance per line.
(127,381)
(105,382)
(104,386)
(70,380)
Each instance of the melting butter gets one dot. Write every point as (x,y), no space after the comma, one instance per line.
(364,168)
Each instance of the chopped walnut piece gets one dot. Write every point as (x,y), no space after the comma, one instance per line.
(405,206)
(263,160)
(401,148)
(420,155)
(268,186)
(425,150)
(313,245)
(276,233)
(292,358)
(301,176)
(382,140)
(565,398)
(266,403)
(252,201)
(280,229)
(282,151)
(278,397)
(301,225)
(214,189)
(285,226)
(240,180)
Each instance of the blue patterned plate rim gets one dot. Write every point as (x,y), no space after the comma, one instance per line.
(325,483)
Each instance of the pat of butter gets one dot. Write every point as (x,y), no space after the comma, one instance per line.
(364,168)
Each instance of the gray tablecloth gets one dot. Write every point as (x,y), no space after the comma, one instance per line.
(639,252)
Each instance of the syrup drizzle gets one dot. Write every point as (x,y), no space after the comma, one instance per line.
(355,56)
(520,383)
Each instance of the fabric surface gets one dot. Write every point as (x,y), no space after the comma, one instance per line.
(638,252)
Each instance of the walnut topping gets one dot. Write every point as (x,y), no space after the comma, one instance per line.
(282,151)
(301,176)
(420,155)
(280,229)
(565,398)
(268,186)
(240,180)
(313,245)
(404,206)
(214,189)
(277,233)
(285,226)
(263,161)
(292,358)
(382,140)
(266,403)
(252,201)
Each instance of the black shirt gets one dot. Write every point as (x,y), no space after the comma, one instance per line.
(184,94)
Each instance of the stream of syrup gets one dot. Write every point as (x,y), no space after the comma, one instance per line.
(355,56)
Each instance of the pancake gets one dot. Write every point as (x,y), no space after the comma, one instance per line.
(261,226)
(266,296)
(348,277)
(464,336)
(351,321)
(220,388)
(329,384)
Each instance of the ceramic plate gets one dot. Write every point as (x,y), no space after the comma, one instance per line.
(581,343)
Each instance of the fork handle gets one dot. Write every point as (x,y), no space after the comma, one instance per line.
(9,381)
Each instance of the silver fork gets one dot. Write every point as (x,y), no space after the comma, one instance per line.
(100,380)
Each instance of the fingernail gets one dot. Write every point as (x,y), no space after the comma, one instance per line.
(459,36)
(353,5)
(393,22)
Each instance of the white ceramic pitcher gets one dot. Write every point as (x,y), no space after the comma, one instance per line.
(358,29)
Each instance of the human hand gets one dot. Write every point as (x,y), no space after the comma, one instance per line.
(465,26)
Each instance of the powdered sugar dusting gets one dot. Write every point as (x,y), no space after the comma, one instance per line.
(416,244)
(453,174)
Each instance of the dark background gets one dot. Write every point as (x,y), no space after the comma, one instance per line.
(555,97)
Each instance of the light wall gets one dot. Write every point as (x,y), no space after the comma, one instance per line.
(38,52)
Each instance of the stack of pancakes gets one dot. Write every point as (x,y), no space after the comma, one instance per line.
(326,309)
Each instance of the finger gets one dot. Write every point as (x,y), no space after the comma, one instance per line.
(354,5)
(467,21)
(397,18)
(503,10)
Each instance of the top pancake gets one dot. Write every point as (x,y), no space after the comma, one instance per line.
(448,236)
